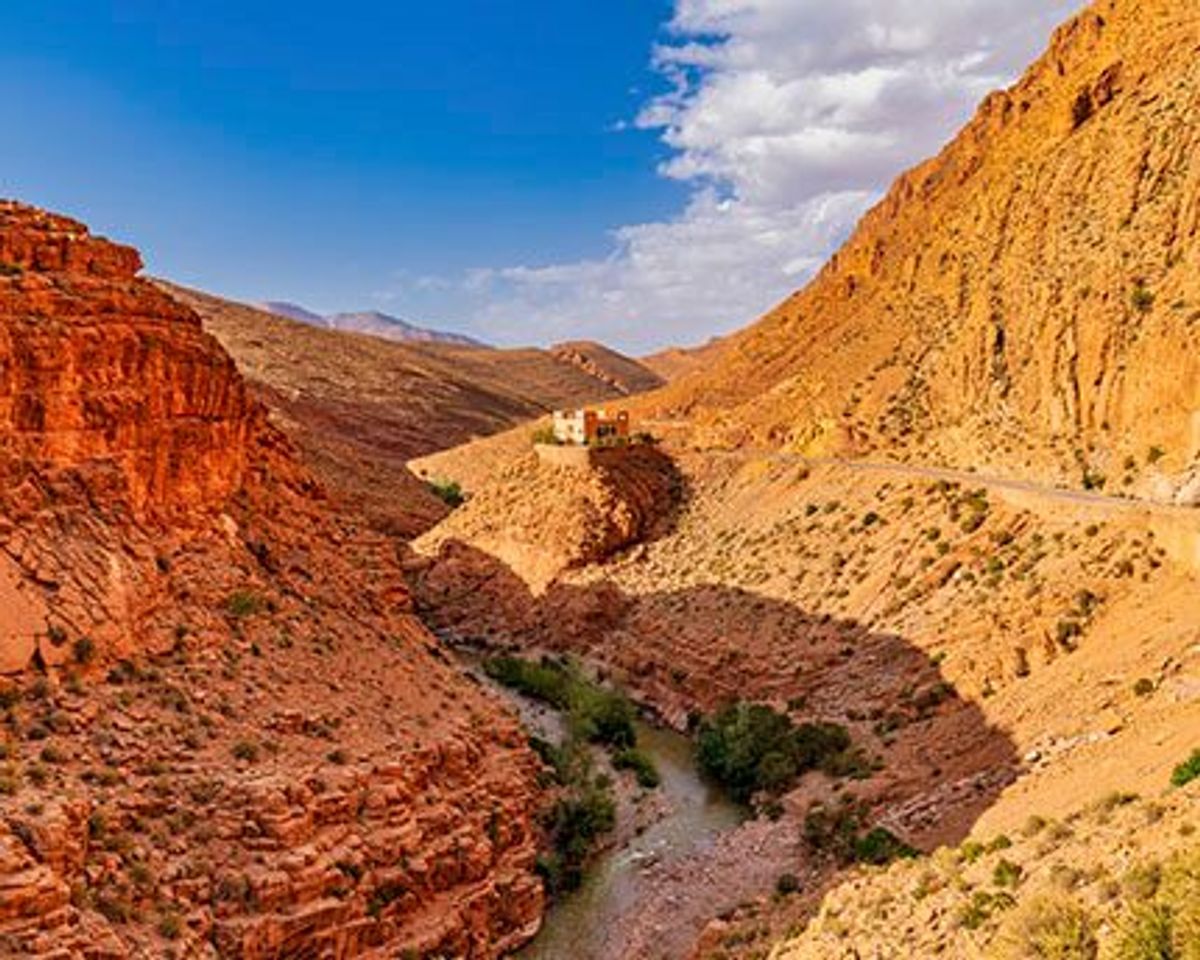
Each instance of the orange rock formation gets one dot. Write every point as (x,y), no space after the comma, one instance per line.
(225,732)
(1028,299)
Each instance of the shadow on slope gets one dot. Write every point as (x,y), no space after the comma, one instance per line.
(688,651)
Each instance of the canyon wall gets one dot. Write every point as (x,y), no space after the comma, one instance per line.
(1027,300)
(225,733)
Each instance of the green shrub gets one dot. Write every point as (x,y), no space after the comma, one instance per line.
(750,748)
(594,713)
(788,883)
(1187,771)
(1141,299)
(575,824)
(546,437)
(84,650)
(245,750)
(642,766)
(1006,873)
(1168,926)
(880,847)
(450,492)
(243,604)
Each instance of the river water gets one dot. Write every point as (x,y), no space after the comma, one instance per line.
(586,925)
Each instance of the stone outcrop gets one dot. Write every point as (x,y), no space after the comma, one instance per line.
(542,518)
(105,375)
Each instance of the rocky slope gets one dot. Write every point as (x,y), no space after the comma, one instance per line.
(1119,877)
(359,407)
(1027,300)
(624,375)
(542,519)
(1023,308)
(224,732)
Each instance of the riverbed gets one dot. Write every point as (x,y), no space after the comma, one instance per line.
(587,924)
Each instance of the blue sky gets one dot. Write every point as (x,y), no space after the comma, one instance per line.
(308,151)
(641,171)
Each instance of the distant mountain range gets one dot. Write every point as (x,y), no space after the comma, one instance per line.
(370,322)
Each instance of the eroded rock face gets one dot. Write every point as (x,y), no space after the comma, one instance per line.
(226,732)
(1027,300)
(104,374)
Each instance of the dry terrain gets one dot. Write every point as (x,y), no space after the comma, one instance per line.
(359,407)
(1027,302)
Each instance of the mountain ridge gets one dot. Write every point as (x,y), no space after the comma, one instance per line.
(372,322)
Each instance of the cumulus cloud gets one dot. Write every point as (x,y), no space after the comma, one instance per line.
(787,118)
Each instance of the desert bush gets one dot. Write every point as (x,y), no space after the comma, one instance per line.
(243,604)
(788,883)
(1141,299)
(1166,927)
(880,847)
(1049,927)
(245,750)
(1187,771)
(450,492)
(545,436)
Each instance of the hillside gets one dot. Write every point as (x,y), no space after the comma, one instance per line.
(1027,302)
(624,375)
(674,363)
(360,407)
(226,733)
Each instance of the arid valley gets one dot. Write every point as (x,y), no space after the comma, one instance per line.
(868,630)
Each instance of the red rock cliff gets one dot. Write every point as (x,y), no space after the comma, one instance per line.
(103,374)
(226,733)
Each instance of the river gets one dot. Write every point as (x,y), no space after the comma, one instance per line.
(586,925)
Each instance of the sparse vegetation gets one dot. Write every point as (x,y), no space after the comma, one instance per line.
(1049,927)
(840,831)
(83,650)
(1142,298)
(585,810)
(243,604)
(593,712)
(642,766)
(1187,771)
(450,492)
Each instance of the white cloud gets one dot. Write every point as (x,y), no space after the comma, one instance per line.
(787,118)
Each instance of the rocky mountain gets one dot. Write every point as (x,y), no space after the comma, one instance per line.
(1025,302)
(361,407)
(226,733)
(371,322)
